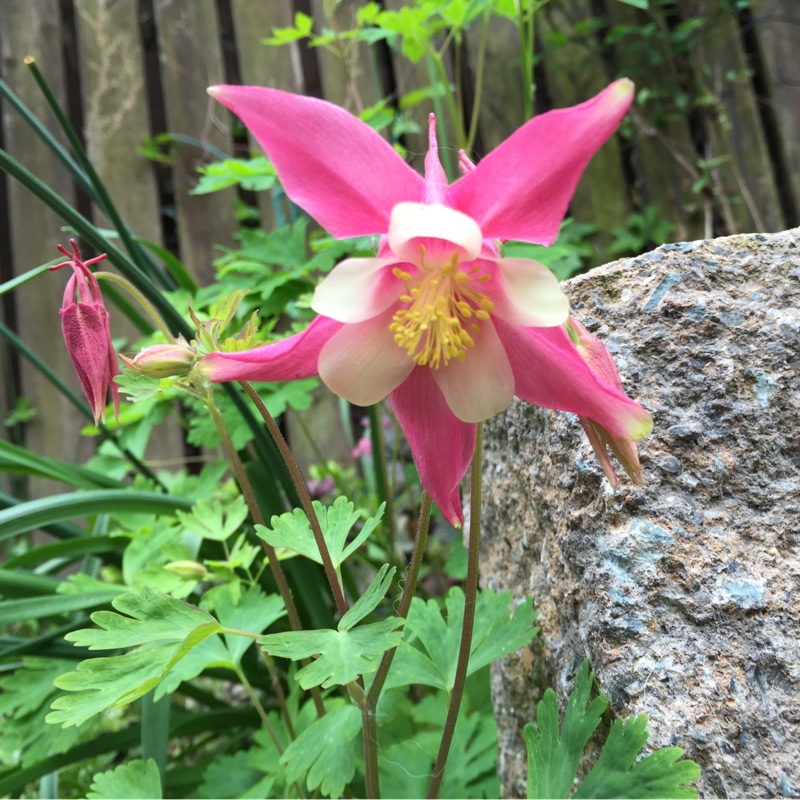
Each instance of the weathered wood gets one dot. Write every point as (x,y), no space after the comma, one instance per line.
(31,28)
(746,196)
(346,67)
(778,37)
(501,101)
(575,72)
(191,61)
(663,157)
(263,65)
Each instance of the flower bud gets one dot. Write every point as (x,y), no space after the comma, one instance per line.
(187,570)
(164,360)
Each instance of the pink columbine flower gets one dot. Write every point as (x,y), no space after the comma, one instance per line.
(84,321)
(439,321)
(599,360)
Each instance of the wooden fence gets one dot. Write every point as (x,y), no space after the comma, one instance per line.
(714,150)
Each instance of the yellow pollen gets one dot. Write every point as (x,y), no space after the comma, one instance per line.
(439,302)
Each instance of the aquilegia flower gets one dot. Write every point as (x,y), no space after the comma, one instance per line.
(439,321)
(599,360)
(84,322)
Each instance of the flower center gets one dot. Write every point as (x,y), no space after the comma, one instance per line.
(441,305)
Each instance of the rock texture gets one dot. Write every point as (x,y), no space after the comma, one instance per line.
(683,594)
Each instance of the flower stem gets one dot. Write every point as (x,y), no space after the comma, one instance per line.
(140,298)
(305,497)
(371,702)
(470,599)
(258,518)
(385,490)
(481,68)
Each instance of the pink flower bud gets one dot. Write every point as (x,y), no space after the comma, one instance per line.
(163,360)
(84,322)
(599,360)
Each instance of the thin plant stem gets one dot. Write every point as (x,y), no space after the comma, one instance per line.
(458,117)
(305,497)
(140,298)
(265,719)
(371,702)
(525,61)
(385,489)
(470,599)
(481,66)
(258,518)
(269,662)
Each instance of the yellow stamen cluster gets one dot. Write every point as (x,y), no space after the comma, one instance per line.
(441,306)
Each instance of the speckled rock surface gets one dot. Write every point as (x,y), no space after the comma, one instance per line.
(683,594)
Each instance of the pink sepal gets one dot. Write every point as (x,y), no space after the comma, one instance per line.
(330,163)
(521,189)
(442,445)
(286,360)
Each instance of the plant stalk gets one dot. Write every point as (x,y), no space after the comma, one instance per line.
(258,518)
(371,703)
(470,600)
(305,497)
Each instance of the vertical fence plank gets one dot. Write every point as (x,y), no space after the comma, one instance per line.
(575,72)
(501,101)
(31,28)
(265,65)
(116,123)
(778,36)
(347,69)
(748,199)
(191,60)
(116,112)
(663,156)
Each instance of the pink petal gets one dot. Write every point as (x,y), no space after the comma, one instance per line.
(363,363)
(291,358)
(358,289)
(522,188)
(483,384)
(413,224)
(526,293)
(331,164)
(441,444)
(549,372)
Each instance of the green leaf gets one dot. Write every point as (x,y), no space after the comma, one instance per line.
(554,755)
(31,515)
(326,752)
(368,601)
(250,611)
(643,4)
(163,631)
(152,617)
(136,779)
(211,520)
(234,777)
(53,605)
(429,652)
(660,775)
(343,655)
(293,531)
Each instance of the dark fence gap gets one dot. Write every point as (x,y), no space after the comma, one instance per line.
(232,71)
(10,365)
(158,123)
(312,80)
(73,96)
(766,110)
